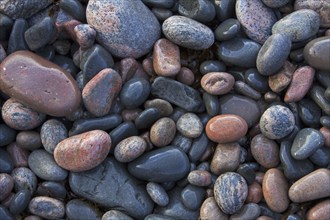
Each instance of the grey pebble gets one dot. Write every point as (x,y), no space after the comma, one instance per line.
(24,178)
(157,193)
(77,209)
(52,132)
(47,207)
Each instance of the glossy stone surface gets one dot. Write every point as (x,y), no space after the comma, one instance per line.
(192,196)
(134,92)
(316,53)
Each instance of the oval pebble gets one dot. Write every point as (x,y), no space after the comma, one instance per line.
(316,53)
(226,158)
(134,92)
(52,132)
(157,193)
(129,149)
(29,140)
(115,215)
(189,125)
(227,29)
(210,210)
(47,207)
(78,209)
(6,185)
(265,151)
(319,211)
(20,201)
(199,178)
(217,83)
(192,196)
(24,178)
(162,132)
(248,211)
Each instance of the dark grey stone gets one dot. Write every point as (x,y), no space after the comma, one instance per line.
(309,113)
(211,103)
(122,131)
(211,66)
(7,135)
(134,92)
(321,157)
(24,178)
(20,201)
(74,8)
(76,209)
(317,95)
(245,89)
(5,214)
(16,40)
(159,3)
(51,189)
(198,148)
(6,163)
(52,132)
(182,142)
(227,30)
(199,10)
(224,8)
(23,8)
(192,196)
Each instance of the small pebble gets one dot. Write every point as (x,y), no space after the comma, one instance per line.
(162,132)
(316,53)
(18,155)
(52,132)
(29,140)
(157,193)
(265,151)
(227,29)
(226,158)
(189,125)
(217,83)
(24,178)
(20,201)
(78,209)
(114,215)
(47,207)
(248,211)
(201,10)
(210,210)
(134,92)
(199,178)
(130,149)
(192,196)
(254,193)
(280,80)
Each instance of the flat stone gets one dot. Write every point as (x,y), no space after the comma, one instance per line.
(265,151)
(47,207)
(129,149)
(78,209)
(319,211)
(226,158)
(217,83)
(316,53)
(47,88)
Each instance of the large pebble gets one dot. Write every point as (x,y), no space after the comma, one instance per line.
(230,192)
(134,92)
(310,187)
(84,151)
(226,128)
(276,122)
(52,132)
(225,158)
(217,83)
(125,28)
(298,25)
(46,88)
(190,125)
(129,149)
(22,9)
(210,210)
(162,132)
(78,209)
(316,53)
(265,151)
(176,28)
(319,211)
(256,18)
(47,207)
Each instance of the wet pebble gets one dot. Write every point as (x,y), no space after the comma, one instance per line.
(52,189)
(130,149)
(6,185)
(309,113)
(244,89)
(208,66)
(189,125)
(78,209)
(51,133)
(217,83)
(47,207)
(122,131)
(227,29)
(192,196)
(162,132)
(316,93)
(265,151)
(20,201)
(199,178)
(201,10)
(321,157)
(198,148)
(134,92)
(316,53)
(226,158)
(147,118)
(157,193)
(29,140)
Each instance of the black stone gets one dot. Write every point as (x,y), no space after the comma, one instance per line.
(74,8)
(192,196)
(225,9)
(256,80)
(211,103)
(66,63)
(16,40)
(77,209)
(7,135)
(227,30)
(6,24)
(246,90)
(199,10)
(198,147)
(122,131)
(323,78)
(47,52)
(309,113)
(6,163)
(20,201)
(134,92)
(208,66)
(182,142)
(162,13)
(51,189)
(247,172)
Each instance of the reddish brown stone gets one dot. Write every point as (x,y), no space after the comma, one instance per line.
(226,158)
(39,84)
(210,210)
(254,193)
(320,211)
(18,155)
(186,76)
(226,128)
(265,151)
(84,151)
(302,80)
(280,80)
(100,92)
(326,134)
(217,83)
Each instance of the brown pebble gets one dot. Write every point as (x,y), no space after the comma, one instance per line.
(29,140)
(129,149)
(254,193)
(265,151)
(147,65)
(199,178)
(162,105)
(18,155)
(83,151)
(226,128)
(320,211)
(302,80)
(226,158)
(313,186)
(127,68)
(275,190)
(211,211)
(162,132)
(326,134)
(259,177)
(280,80)
(217,83)
(166,58)
(186,76)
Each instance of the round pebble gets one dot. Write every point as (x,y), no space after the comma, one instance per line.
(134,92)
(189,125)
(162,105)
(162,132)
(129,149)
(157,193)
(47,207)
(199,178)
(316,53)
(217,83)
(265,151)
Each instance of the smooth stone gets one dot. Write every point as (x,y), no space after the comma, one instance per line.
(117,188)
(74,8)
(159,3)
(175,207)
(326,133)
(299,25)
(29,140)
(309,113)
(161,165)
(210,210)
(226,158)
(176,28)
(211,103)
(129,29)
(217,83)
(256,19)
(162,13)
(246,90)
(208,66)
(47,207)
(158,217)
(129,149)
(166,58)
(227,29)
(273,54)
(182,142)
(44,166)
(256,80)
(147,118)
(247,171)
(293,169)
(325,121)
(23,9)
(99,93)
(122,131)
(316,93)
(186,76)
(248,211)
(20,117)
(275,3)
(323,78)
(177,93)
(265,151)
(254,193)
(163,106)
(199,178)
(302,80)
(16,40)
(192,196)
(302,190)
(274,189)
(321,157)
(201,10)
(115,215)
(225,9)
(162,132)
(20,201)
(198,148)
(230,192)
(319,211)
(52,132)
(57,93)
(83,151)
(226,128)
(7,135)
(241,52)
(52,189)
(6,185)
(316,53)
(24,178)
(6,163)
(134,92)
(189,125)
(157,193)
(5,214)
(85,35)
(47,52)
(281,79)
(276,122)
(78,209)
(62,47)
(306,142)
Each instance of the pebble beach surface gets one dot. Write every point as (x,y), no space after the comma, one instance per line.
(165,109)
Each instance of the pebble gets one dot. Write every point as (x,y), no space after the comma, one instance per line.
(47,207)
(306,142)
(162,132)
(198,148)
(166,58)
(122,131)
(147,118)
(162,13)
(52,132)
(83,151)
(6,163)
(56,92)
(24,178)
(16,40)
(117,188)
(85,35)
(316,53)
(226,128)
(52,189)
(29,140)
(246,170)
(265,151)
(230,192)
(246,90)
(227,29)
(256,19)
(7,135)
(129,149)
(241,52)
(316,93)
(309,113)
(248,211)
(281,79)
(254,193)
(129,29)
(177,93)
(276,122)
(20,117)
(299,25)
(23,9)
(202,10)
(326,134)
(189,125)
(78,209)
(100,92)
(275,3)
(134,92)
(199,178)
(226,158)
(321,157)
(176,28)
(208,66)
(319,211)
(192,196)
(210,210)
(74,8)
(217,83)
(211,103)
(157,193)
(114,215)
(275,188)
(6,185)
(224,9)
(5,214)
(186,76)
(20,201)
(62,47)
(161,165)
(257,81)
(302,190)
(163,106)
